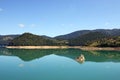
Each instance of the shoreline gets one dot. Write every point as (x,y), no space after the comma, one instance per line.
(64,47)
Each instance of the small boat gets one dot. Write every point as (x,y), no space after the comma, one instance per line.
(81,58)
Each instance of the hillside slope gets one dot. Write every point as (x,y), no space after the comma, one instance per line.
(7,38)
(107,42)
(28,39)
(110,32)
(86,39)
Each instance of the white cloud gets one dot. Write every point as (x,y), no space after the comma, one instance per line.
(1,9)
(21,25)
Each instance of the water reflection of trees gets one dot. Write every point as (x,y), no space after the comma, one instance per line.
(28,55)
(104,56)
(94,56)
(4,51)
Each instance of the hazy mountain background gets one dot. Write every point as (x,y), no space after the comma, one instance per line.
(108,32)
(77,38)
(87,37)
(5,39)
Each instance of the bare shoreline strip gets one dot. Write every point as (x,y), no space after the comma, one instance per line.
(64,47)
(37,47)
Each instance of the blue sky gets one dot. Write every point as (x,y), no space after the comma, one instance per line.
(57,17)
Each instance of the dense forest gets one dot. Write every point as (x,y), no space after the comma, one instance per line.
(86,39)
(107,42)
(5,39)
(97,38)
(28,39)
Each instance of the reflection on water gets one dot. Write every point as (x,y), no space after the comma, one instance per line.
(59,64)
(81,58)
(75,54)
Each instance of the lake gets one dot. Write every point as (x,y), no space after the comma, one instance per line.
(58,64)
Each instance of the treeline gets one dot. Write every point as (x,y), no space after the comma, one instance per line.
(95,39)
(107,42)
(4,40)
(86,39)
(28,39)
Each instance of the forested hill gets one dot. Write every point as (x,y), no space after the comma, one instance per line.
(109,32)
(5,39)
(28,39)
(99,38)
(87,37)
(107,42)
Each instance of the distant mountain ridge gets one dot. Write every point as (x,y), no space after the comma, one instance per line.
(87,37)
(5,39)
(77,38)
(109,32)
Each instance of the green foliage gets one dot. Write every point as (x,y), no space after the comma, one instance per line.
(6,39)
(86,39)
(107,42)
(95,39)
(28,39)
(95,56)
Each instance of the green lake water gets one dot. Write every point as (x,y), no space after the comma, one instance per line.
(58,64)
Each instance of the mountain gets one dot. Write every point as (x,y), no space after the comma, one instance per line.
(86,39)
(72,35)
(109,32)
(28,39)
(107,42)
(5,39)
(77,38)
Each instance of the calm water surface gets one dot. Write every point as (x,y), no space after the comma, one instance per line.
(58,64)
